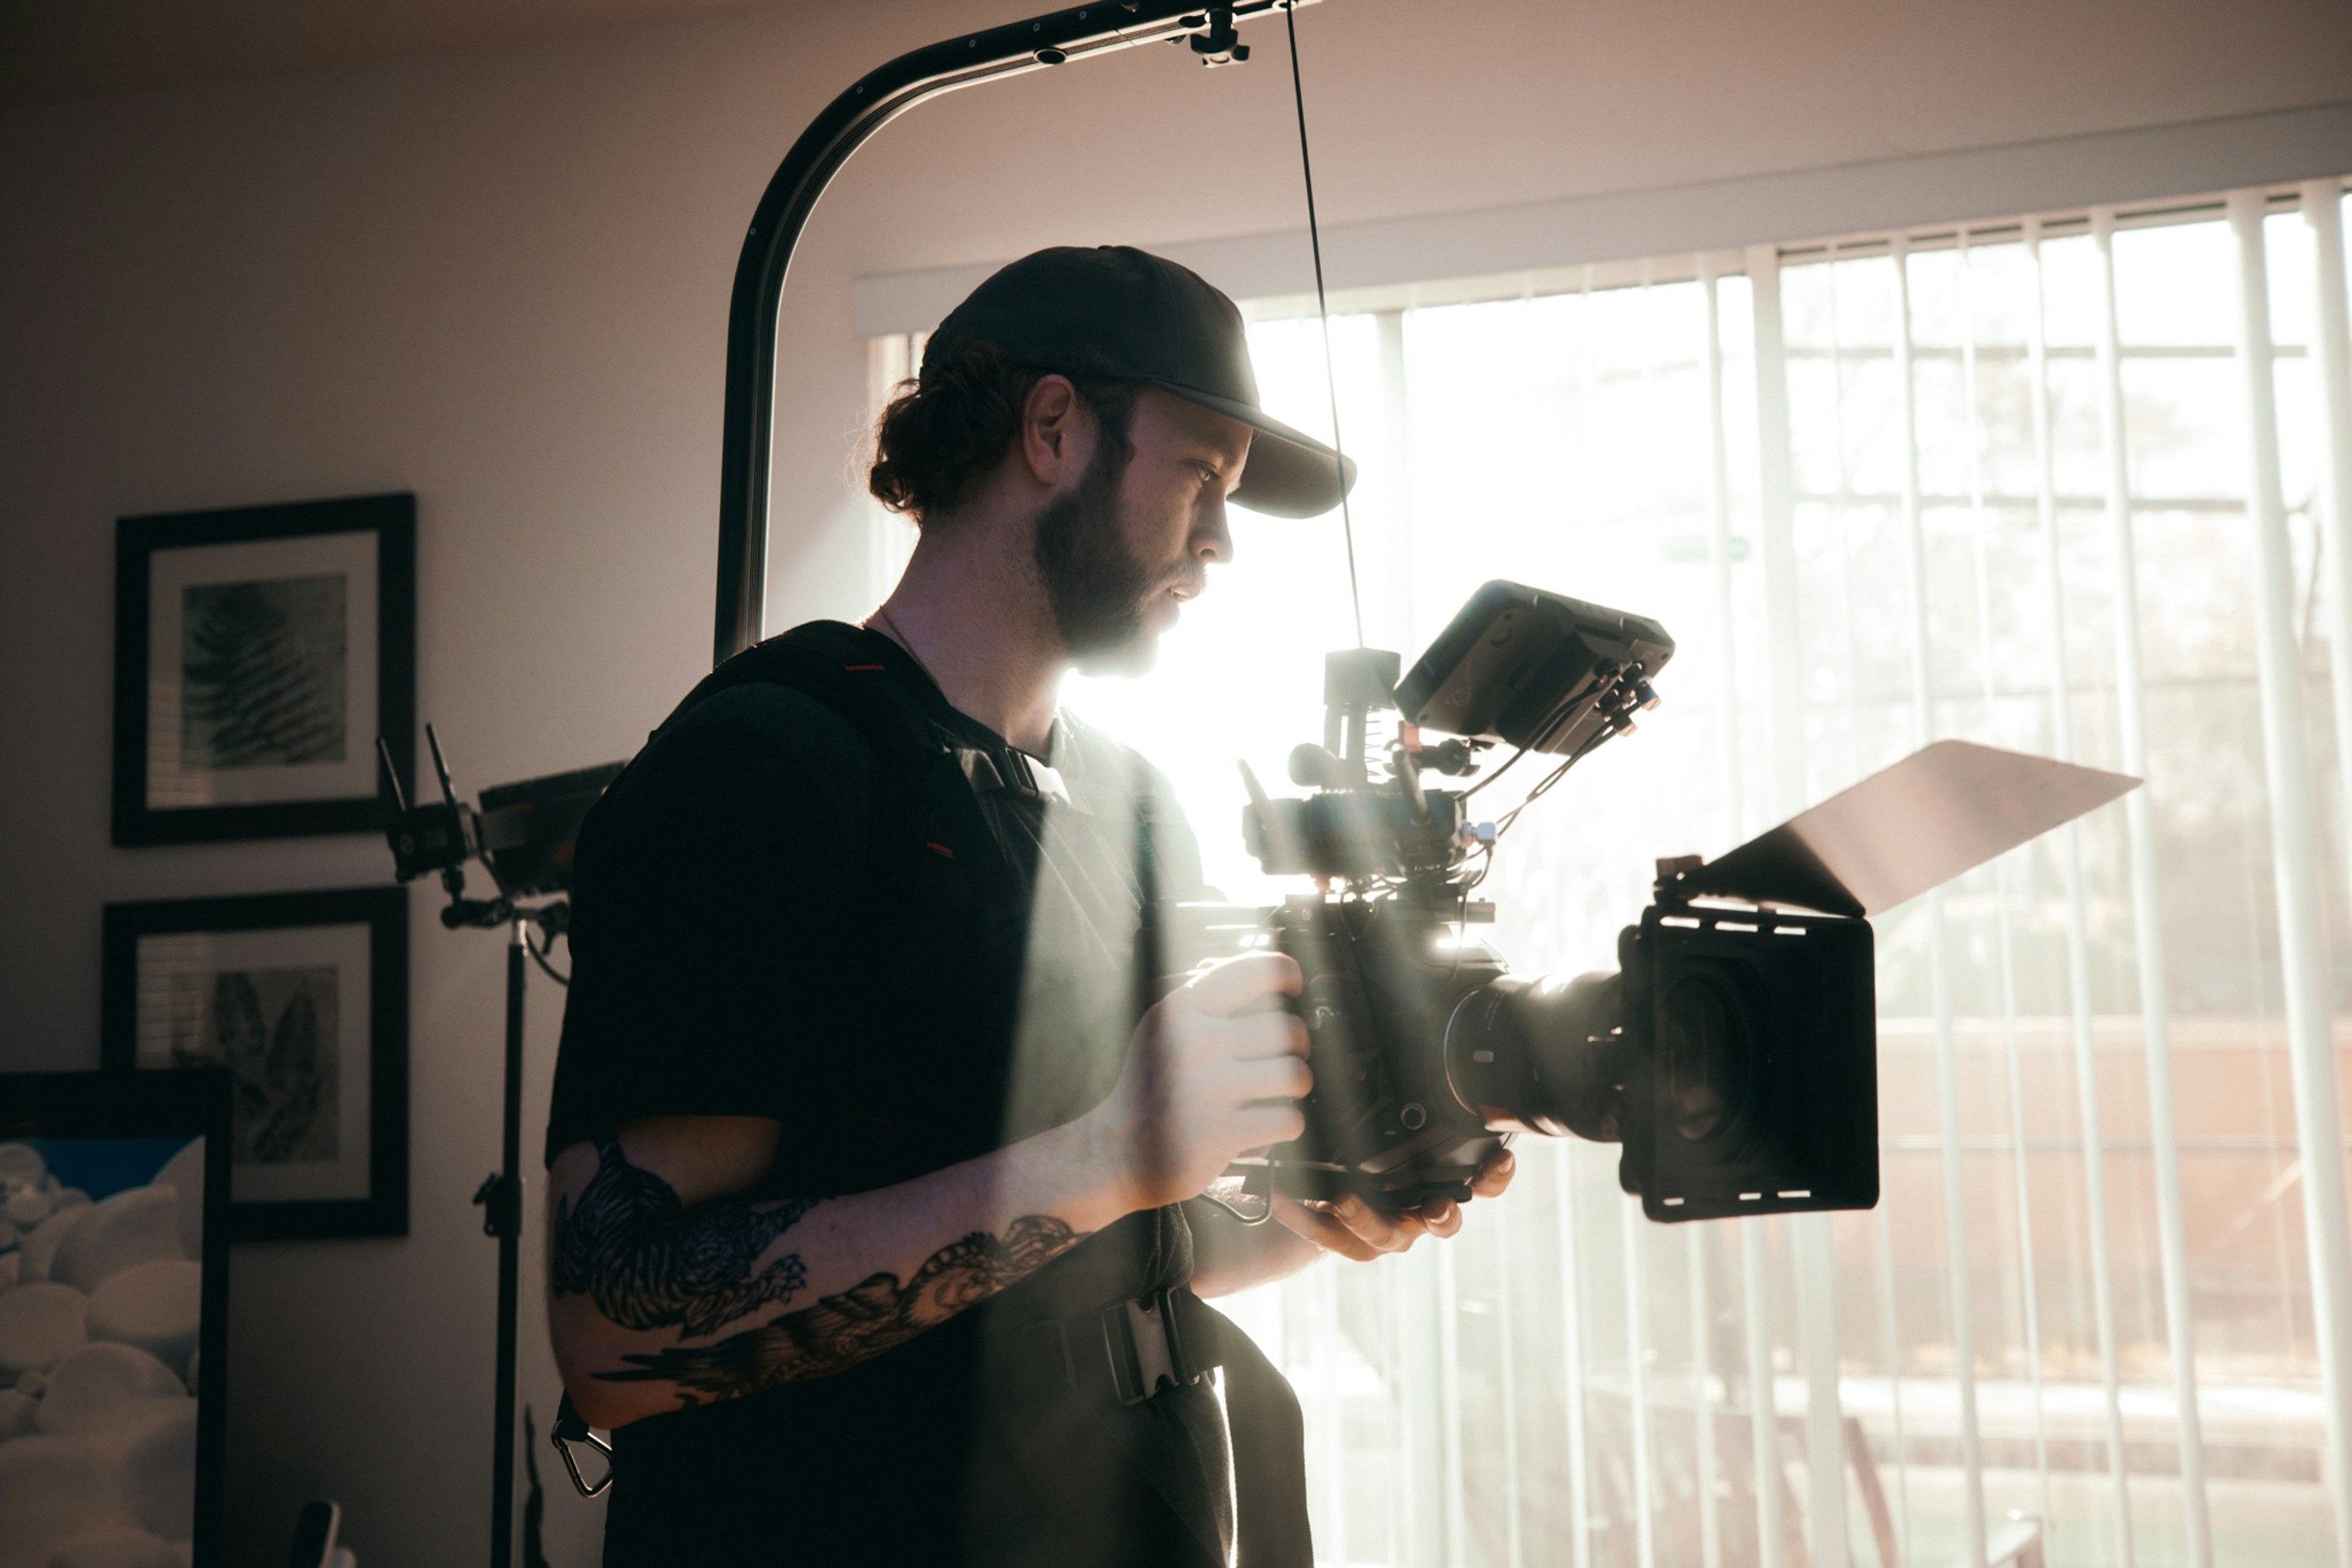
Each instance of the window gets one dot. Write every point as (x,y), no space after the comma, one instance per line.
(1869,485)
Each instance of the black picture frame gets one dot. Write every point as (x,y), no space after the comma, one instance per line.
(146,769)
(270,925)
(104,1106)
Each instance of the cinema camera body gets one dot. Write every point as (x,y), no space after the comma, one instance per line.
(1732,1054)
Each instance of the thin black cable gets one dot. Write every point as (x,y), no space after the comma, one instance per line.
(1498,773)
(1323,312)
(1503,823)
(539,957)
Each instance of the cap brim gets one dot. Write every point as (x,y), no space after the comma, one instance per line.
(1288,474)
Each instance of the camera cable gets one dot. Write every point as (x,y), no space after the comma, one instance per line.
(1503,823)
(1498,773)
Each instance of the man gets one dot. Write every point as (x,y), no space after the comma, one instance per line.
(873,1179)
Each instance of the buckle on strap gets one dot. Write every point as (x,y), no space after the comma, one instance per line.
(1147,1347)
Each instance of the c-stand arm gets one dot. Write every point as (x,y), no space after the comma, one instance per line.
(1100,28)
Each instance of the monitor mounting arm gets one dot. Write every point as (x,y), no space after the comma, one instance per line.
(1099,28)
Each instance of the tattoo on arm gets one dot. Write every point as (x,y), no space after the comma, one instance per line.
(649,1263)
(841,1330)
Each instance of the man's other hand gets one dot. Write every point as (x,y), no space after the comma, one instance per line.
(1353,1228)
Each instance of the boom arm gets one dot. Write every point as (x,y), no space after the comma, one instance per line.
(1100,28)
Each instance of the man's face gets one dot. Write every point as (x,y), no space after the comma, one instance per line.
(1124,547)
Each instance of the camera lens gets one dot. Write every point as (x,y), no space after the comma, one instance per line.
(1539,1055)
(1703,1058)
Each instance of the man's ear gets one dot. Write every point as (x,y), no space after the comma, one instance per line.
(1052,433)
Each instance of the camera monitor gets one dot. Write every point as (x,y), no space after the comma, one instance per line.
(1530,669)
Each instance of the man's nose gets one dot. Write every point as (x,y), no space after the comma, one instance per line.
(1211,541)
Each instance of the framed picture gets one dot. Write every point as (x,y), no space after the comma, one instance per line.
(302,999)
(258,653)
(113,1321)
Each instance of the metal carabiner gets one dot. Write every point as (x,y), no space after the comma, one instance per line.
(569,1427)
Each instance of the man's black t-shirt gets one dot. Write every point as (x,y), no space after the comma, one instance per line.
(737,950)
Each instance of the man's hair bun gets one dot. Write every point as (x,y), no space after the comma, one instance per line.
(946,428)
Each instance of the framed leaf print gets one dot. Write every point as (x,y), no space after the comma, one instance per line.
(259,652)
(302,998)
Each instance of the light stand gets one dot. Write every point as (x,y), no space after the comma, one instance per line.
(500,1199)
(524,834)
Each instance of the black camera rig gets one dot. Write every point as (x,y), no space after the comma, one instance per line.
(1732,1054)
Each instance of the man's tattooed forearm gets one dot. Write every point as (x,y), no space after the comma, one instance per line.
(841,1330)
(647,1263)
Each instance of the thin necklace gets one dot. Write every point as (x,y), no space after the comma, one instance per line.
(895,635)
(899,636)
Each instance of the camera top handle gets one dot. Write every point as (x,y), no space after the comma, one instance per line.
(1099,28)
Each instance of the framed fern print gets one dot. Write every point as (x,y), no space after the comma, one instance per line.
(259,652)
(302,998)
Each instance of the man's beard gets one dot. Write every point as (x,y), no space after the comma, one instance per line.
(1096,583)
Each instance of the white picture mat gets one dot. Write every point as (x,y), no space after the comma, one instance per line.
(170,575)
(344,948)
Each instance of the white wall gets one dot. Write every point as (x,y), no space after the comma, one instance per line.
(499,278)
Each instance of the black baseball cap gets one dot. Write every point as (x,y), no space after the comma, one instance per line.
(1115,310)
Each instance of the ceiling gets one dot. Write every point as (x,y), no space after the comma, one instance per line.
(73,49)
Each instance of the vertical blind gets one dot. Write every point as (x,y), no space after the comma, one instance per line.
(2074,484)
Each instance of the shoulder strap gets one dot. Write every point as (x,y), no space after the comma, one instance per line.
(832,663)
(916,759)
